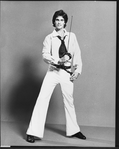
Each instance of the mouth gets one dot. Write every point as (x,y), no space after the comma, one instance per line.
(59,25)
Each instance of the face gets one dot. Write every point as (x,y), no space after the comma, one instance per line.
(59,22)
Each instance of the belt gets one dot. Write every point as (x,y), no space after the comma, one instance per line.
(64,68)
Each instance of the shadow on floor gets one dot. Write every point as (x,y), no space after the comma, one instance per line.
(23,95)
(55,129)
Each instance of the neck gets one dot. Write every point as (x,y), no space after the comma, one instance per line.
(60,32)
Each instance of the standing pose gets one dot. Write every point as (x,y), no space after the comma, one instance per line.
(59,49)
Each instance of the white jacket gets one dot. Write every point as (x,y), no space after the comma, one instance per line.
(51,46)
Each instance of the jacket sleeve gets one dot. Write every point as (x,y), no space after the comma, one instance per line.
(46,52)
(77,61)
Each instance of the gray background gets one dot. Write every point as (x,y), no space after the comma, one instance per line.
(24,26)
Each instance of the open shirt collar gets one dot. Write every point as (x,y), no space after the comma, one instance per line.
(55,34)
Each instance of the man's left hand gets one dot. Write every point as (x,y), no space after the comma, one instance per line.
(74,76)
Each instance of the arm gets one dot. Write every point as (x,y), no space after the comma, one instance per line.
(46,52)
(77,61)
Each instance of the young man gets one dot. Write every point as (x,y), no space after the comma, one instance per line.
(59,49)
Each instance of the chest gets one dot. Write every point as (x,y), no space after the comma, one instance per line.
(56,42)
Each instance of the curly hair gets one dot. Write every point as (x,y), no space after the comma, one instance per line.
(60,13)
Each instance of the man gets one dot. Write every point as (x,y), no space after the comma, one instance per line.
(59,49)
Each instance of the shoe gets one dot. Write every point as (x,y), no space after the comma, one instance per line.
(79,135)
(30,139)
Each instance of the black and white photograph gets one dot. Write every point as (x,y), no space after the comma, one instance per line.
(58,73)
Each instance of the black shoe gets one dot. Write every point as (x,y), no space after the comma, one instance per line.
(79,135)
(30,139)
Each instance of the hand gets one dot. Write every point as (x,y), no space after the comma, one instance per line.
(74,76)
(61,61)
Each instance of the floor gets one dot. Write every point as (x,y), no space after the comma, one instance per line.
(13,134)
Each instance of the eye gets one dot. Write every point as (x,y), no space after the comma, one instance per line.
(59,19)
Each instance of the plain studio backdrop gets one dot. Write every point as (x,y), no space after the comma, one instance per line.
(24,25)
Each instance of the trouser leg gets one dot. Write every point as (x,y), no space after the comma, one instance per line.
(37,123)
(67,92)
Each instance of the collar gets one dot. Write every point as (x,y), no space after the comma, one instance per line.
(55,34)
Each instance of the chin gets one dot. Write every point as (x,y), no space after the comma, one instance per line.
(59,28)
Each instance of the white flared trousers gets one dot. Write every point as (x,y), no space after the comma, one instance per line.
(37,122)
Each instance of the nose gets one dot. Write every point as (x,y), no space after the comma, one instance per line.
(59,21)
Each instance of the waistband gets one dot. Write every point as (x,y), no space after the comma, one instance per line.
(64,68)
